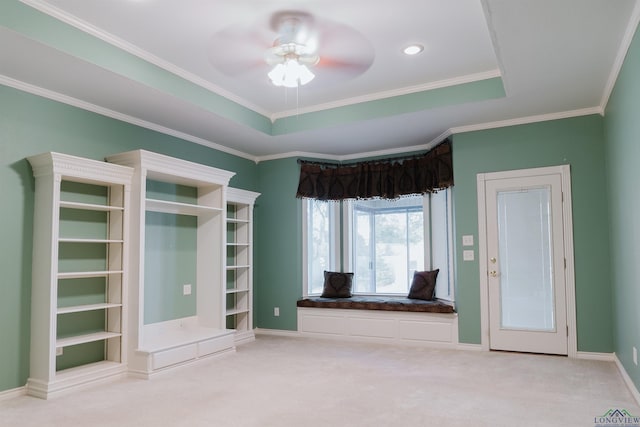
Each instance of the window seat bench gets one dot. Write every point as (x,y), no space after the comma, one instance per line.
(388,320)
(378,303)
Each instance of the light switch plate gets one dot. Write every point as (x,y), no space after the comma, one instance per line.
(186,289)
(468,255)
(467,240)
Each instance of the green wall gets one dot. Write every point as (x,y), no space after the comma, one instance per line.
(578,142)
(30,125)
(278,243)
(622,131)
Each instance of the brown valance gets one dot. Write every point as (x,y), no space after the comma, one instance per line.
(387,178)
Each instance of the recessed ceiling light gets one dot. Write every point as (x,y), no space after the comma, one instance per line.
(413,49)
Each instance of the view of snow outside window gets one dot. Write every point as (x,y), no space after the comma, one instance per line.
(388,240)
(388,244)
(319,244)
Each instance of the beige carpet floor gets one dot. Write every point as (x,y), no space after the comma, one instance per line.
(287,381)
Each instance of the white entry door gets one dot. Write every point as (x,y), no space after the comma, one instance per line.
(525,263)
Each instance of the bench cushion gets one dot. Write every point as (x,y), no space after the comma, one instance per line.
(378,303)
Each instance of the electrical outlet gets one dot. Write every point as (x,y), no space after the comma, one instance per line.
(635,356)
(186,289)
(276,311)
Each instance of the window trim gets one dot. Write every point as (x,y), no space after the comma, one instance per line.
(341,218)
(450,245)
(347,234)
(334,240)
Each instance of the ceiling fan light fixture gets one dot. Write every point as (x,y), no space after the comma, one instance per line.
(290,74)
(413,49)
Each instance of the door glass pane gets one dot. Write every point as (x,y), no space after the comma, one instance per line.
(525,260)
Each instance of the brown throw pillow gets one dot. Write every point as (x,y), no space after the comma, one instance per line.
(423,285)
(337,285)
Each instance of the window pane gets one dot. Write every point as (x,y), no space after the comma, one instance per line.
(416,243)
(388,244)
(391,252)
(363,252)
(440,242)
(318,243)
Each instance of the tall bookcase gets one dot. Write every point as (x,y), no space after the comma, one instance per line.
(79,280)
(191,324)
(239,268)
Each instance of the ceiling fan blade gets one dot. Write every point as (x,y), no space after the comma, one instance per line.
(309,59)
(334,50)
(356,66)
(234,51)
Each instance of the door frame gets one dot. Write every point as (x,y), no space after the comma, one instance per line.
(567,221)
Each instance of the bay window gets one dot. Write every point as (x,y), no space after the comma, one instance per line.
(383,242)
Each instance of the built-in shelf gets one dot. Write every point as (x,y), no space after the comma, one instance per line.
(87,274)
(179,208)
(237,311)
(239,292)
(87,307)
(70,240)
(237,221)
(90,206)
(81,225)
(166,185)
(235,290)
(83,339)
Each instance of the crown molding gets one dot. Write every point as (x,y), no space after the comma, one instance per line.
(389,94)
(447,133)
(620,57)
(132,49)
(379,153)
(55,96)
(528,120)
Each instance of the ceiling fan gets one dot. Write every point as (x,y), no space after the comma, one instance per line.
(291,47)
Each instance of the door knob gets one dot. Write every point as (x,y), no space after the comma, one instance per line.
(493,260)
(493,273)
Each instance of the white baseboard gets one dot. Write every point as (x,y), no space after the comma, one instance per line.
(469,347)
(277,332)
(587,355)
(14,392)
(627,379)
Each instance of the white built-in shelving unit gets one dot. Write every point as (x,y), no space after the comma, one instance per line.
(239,269)
(159,345)
(79,280)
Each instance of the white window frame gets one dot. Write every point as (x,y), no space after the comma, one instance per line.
(451,255)
(341,218)
(347,243)
(334,241)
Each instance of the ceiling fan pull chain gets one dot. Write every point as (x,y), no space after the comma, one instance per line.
(297,100)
